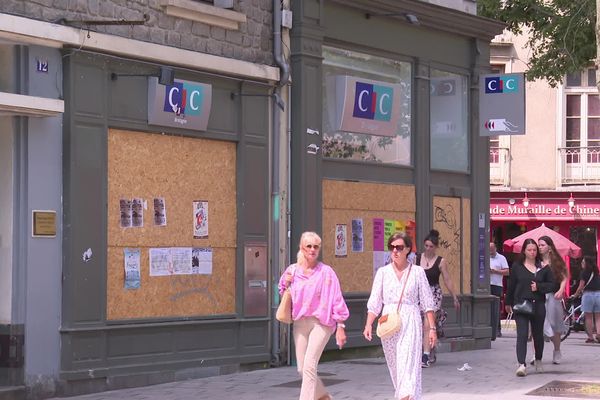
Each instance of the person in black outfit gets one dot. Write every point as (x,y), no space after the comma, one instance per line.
(529,281)
(589,285)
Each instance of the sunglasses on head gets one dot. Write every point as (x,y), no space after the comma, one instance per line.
(312,246)
(397,247)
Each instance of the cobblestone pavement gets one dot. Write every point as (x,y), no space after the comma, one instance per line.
(492,377)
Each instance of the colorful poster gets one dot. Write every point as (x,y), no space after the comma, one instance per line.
(411,231)
(125,206)
(200,219)
(400,226)
(357,236)
(137,213)
(160,211)
(202,260)
(341,247)
(160,262)
(389,229)
(378,234)
(181,259)
(132,268)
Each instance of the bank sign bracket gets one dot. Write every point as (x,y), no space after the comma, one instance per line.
(502,104)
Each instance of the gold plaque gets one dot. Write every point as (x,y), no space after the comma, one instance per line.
(44,223)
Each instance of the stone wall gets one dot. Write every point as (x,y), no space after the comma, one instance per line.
(252,42)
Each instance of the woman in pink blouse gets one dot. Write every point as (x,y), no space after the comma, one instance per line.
(318,309)
(403,349)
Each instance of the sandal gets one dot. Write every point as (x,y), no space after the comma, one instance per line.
(588,340)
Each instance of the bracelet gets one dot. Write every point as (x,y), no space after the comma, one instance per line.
(341,325)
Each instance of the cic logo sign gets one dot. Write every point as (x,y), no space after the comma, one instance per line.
(184,99)
(184,104)
(502,84)
(373,102)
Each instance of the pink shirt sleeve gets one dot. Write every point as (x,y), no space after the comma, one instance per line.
(282,282)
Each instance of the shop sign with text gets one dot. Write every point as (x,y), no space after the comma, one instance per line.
(184,104)
(545,212)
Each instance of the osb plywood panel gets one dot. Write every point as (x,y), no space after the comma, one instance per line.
(447,220)
(180,169)
(345,201)
(466,245)
(368,196)
(171,296)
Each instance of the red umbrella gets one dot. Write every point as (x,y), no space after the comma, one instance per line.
(563,245)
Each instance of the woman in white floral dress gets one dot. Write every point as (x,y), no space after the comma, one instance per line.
(403,349)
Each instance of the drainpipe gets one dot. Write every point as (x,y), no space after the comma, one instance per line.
(278,107)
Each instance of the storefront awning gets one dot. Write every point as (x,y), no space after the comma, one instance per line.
(30,106)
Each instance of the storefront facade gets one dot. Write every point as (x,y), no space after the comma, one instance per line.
(137,179)
(575,215)
(357,171)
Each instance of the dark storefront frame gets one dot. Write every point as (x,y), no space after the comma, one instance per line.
(96,353)
(437,43)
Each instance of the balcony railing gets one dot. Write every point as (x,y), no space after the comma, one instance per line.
(579,165)
(499,166)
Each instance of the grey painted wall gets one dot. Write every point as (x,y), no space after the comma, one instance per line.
(6,220)
(251,43)
(44,255)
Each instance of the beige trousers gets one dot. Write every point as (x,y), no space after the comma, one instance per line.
(310,338)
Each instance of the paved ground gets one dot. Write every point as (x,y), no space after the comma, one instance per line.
(492,377)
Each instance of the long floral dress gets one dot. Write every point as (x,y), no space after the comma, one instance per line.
(403,350)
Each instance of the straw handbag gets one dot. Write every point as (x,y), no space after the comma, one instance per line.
(284,311)
(390,324)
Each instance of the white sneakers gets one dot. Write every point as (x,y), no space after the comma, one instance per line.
(556,357)
(522,370)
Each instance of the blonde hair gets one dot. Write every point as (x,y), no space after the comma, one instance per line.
(306,236)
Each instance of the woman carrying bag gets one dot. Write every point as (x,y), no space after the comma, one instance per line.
(526,298)
(318,310)
(402,291)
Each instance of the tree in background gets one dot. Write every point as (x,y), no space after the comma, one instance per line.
(562,33)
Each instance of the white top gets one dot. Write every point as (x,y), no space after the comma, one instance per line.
(498,262)
(386,290)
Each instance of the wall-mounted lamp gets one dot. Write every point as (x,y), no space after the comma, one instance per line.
(166,76)
(525,201)
(511,201)
(571,201)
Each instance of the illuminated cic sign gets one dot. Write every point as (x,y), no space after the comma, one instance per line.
(184,104)
(363,106)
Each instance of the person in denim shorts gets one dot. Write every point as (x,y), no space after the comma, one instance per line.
(589,285)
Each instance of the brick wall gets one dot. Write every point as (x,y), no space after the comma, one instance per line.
(252,42)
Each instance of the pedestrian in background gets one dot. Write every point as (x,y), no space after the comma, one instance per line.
(527,287)
(589,285)
(401,281)
(498,270)
(554,325)
(318,309)
(434,266)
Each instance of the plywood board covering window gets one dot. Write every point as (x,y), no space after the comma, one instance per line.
(344,201)
(451,217)
(180,169)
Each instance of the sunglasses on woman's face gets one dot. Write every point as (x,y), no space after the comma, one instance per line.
(312,246)
(397,247)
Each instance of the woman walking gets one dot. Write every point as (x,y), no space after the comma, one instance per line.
(434,266)
(589,285)
(404,283)
(526,297)
(318,309)
(554,324)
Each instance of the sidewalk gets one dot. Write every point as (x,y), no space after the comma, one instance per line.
(492,377)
